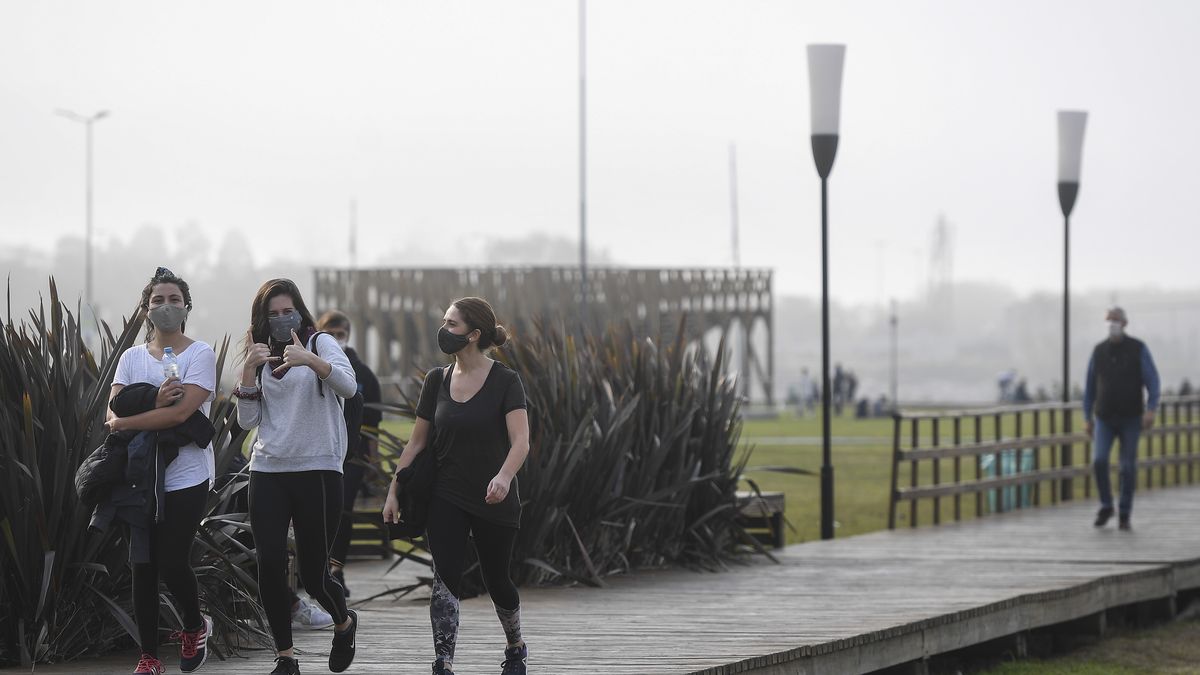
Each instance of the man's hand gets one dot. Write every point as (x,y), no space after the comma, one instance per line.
(1090,427)
(168,393)
(1148,419)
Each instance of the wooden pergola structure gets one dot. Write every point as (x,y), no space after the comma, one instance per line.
(397,312)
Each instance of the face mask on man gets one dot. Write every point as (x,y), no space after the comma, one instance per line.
(168,318)
(1115,329)
(343,343)
(451,343)
(282,326)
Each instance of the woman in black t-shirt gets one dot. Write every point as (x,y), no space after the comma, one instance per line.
(472,414)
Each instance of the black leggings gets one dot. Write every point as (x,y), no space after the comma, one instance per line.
(170,552)
(352,480)
(312,502)
(446,534)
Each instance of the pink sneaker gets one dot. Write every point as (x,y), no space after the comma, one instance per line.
(150,665)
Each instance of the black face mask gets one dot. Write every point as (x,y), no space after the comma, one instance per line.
(451,343)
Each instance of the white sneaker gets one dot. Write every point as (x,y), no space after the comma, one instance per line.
(309,615)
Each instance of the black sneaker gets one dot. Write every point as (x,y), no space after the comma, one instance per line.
(1123,523)
(1103,516)
(514,660)
(440,668)
(341,655)
(286,665)
(340,577)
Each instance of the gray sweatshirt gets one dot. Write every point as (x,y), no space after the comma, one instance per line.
(298,429)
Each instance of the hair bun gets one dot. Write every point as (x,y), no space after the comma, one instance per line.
(501,335)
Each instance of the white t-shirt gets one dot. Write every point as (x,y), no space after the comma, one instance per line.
(198,366)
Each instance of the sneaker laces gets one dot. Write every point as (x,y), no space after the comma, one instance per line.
(190,640)
(148,664)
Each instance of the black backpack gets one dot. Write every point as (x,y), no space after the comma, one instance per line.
(414,483)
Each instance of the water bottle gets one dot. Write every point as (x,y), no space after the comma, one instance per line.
(170,363)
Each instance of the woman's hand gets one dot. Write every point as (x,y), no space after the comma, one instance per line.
(168,393)
(111,424)
(498,489)
(257,354)
(296,354)
(391,507)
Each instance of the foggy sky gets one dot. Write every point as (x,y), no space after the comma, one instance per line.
(456,123)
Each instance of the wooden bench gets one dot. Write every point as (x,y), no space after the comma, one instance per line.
(762,516)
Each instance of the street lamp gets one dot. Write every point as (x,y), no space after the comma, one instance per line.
(825,94)
(87,122)
(1071,124)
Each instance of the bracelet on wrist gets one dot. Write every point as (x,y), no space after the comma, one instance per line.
(248,394)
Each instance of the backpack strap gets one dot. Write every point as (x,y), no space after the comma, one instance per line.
(312,345)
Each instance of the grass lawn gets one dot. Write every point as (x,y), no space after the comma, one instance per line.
(1173,648)
(862,471)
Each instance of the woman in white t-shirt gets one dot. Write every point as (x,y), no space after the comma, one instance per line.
(167,301)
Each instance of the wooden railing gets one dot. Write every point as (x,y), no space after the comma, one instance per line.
(976,462)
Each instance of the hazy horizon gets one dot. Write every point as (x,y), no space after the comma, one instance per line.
(454,126)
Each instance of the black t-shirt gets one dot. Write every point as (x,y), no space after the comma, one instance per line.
(471,441)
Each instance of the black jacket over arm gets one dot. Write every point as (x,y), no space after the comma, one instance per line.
(138,500)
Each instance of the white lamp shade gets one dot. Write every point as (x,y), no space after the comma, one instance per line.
(825,86)
(1071,124)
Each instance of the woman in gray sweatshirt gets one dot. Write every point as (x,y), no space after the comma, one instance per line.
(292,385)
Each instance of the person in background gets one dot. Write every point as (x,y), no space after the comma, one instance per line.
(362,451)
(1114,407)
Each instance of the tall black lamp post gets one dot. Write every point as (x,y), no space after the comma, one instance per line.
(1071,125)
(825,89)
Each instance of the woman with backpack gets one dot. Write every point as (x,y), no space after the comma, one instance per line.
(472,416)
(292,385)
(185,372)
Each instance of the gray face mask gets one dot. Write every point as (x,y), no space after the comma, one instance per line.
(168,318)
(282,326)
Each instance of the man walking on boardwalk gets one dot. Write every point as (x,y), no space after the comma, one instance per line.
(1113,405)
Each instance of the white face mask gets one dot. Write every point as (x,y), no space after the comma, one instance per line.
(1115,329)
(343,344)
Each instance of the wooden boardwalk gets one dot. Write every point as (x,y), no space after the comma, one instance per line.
(845,606)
